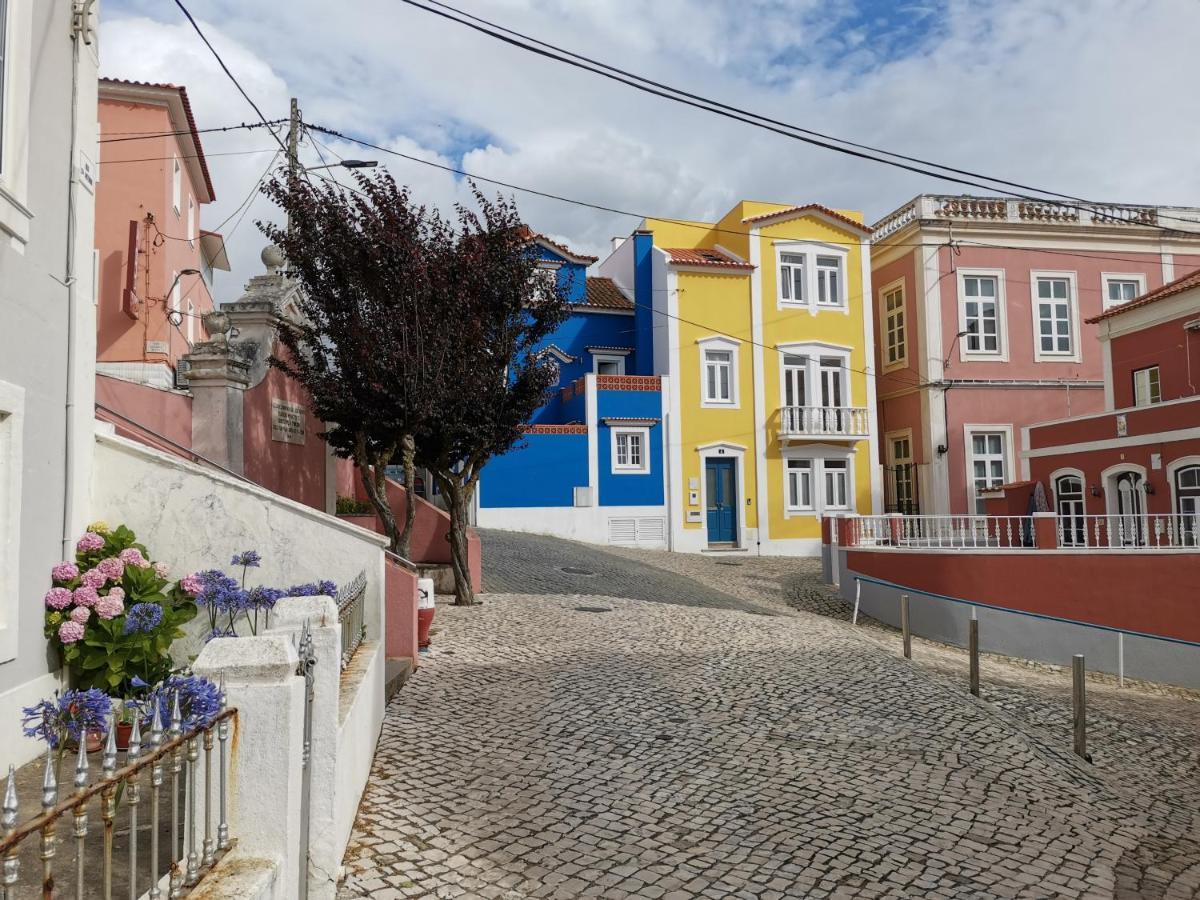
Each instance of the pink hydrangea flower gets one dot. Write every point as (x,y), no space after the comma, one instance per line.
(64,571)
(80,614)
(70,631)
(162,570)
(132,556)
(192,584)
(58,598)
(112,568)
(86,596)
(90,541)
(111,606)
(94,578)
(118,592)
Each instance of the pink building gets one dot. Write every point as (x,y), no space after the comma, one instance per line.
(983,307)
(154,180)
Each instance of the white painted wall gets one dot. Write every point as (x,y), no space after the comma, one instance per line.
(576,523)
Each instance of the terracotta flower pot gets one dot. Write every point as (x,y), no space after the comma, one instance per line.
(124,730)
(424,621)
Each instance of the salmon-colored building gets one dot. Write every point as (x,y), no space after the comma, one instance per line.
(1130,475)
(154,181)
(986,324)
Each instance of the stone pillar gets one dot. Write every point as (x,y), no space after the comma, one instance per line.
(218,378)
(266,768)
(324,846)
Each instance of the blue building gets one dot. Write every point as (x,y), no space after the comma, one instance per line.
(592,466)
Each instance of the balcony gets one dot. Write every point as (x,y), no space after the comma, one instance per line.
(839,422)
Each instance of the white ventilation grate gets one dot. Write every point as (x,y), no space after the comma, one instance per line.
(638,531)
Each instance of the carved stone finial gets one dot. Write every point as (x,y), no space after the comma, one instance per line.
(272,258)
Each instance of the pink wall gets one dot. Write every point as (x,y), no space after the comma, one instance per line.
(297,471)
(905,377)
(903,412)
(1083,587)
(165,412)
(136,178)
(1168,346)
(400,586)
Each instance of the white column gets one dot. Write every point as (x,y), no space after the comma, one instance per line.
(265,759)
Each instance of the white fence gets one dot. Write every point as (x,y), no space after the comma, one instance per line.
(842,421)
(1130,532)
(945,532)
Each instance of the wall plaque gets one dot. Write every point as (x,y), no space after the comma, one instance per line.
(287,421)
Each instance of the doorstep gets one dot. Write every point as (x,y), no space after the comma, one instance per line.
(396,671)
(724,549)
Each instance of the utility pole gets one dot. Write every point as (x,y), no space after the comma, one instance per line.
(294,139)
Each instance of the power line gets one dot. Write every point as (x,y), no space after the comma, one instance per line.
(738,114)
(253,191)
(109,162)
(145,135)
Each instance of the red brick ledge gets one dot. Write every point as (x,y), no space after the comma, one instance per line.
(556,429)
(628,383)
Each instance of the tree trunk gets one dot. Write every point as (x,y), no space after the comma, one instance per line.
(375,483)
(408,456)
(458,496)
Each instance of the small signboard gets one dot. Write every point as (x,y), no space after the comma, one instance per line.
(1122,427)
(287,421)
(158,347)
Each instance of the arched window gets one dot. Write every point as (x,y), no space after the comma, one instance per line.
(1187,504)
(1068,495)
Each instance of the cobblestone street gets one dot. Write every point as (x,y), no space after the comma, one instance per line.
(671,726)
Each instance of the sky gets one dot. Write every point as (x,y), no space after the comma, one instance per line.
(1090,98)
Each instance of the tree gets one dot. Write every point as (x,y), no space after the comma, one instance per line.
(367,345)
(490,292)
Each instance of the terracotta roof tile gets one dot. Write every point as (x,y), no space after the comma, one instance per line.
(603,293)
(810,207)
(562,249)
(1178,286)
(685,256)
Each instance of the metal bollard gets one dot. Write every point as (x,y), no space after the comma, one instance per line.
(973,644)
(1079,705)
(905,627)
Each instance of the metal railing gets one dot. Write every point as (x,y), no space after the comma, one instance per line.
(351,600)
(172,755)
(945,532)
(1130,532)
(840,421)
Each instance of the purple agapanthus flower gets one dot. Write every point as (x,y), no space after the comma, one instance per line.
(67,716)
(248,558)
(220,591)
(143,617)
(312,589)
(199,701)
(263,597)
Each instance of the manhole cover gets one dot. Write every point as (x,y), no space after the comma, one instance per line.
(573,570)
(592,609)
(728,562)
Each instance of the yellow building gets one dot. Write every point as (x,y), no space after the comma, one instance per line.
(763,320)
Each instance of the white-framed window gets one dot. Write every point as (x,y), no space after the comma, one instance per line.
(895,327)
(608,364)
(12,414)
(176,185)
(16,72)
(1070,506)
(191,221)
(800,485)
(981,314)
(837,483)
(811,275)
(793,285)
(1121,287)
(988,461)
(1055,315)
(718,372)
(630,451)
(1147,386)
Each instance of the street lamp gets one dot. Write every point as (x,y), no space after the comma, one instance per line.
(173,315)
(347,164)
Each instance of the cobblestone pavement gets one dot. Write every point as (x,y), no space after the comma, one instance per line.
(669,750)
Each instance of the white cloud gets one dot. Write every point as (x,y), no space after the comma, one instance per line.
(1082,98)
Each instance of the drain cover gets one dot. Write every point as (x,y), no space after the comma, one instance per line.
(572,570)
(592,609)
(728,562)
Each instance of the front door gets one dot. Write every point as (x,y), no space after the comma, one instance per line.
(1128,531)
(720,479)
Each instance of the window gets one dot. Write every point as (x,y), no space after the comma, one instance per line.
(630,451)
(981,314)
(900,488)
(895,346)
(1068,495)
(1187,504)
(175,303)
(791,278)
(1054,316)
(191,323)
(191,223)
(799,484)
(718,377)
(1147,388)
(829,280)
(176,185)
(988,464)
(608,365)
(837,484)
(795,370)
(1120,289)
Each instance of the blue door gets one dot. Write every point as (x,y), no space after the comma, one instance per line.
(720,483)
